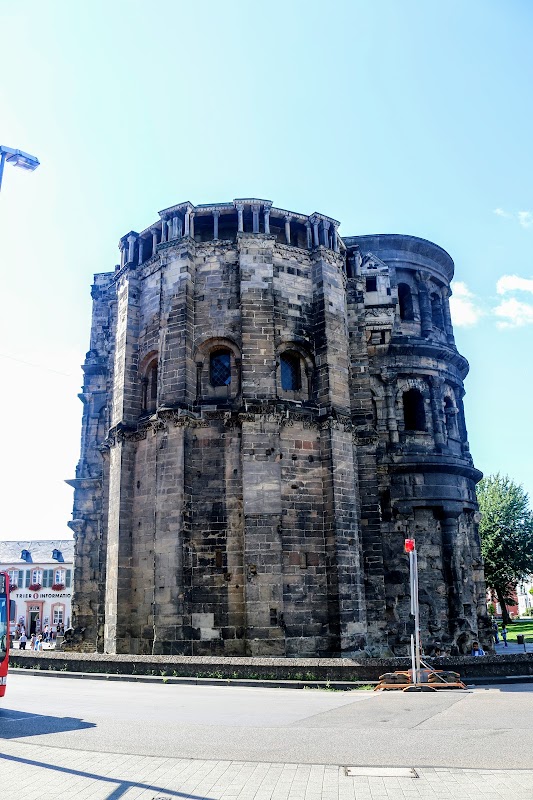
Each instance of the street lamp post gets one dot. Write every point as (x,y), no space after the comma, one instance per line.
(18,158)
(410,548)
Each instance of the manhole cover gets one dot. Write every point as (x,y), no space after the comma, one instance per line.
(381,772)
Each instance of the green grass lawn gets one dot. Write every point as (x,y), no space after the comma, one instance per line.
(524,626)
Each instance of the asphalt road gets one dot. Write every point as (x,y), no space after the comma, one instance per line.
(489,728)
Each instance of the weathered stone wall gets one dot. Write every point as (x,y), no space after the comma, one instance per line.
(264,513)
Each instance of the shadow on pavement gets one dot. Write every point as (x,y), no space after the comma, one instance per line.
(122,786)
(14,724)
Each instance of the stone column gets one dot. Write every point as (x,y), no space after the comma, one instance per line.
(288,228)
(163,230)
(389,380)
(308,235)
(335,238)
(325,232)
(452,568)
(448,327)
(216,215)
(122,254)
(125,412)
(240,212)
(267,219)
(255,218)
(187,223)
(131,248)
(435,390)
(426,321)
(316,238)
(141,248)
(191,224)
(169,230)
(154,240)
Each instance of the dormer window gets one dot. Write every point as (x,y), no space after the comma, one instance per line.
(25,555)
(57,555)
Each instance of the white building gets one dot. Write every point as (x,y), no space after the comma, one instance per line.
(525,598)
(40,577)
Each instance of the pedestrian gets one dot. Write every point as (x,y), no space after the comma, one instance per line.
(38,642)
(477,650)
(504,635)
(32,642)
(22,640)
(495,632)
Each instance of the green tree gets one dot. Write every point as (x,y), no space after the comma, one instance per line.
(506,531)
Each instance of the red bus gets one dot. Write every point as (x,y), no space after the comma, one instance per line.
(4,630)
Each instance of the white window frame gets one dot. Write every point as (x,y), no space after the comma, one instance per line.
(13,577)
(36,576)
(59,576)
(58,615)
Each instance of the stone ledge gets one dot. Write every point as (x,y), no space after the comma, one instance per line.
(318,669)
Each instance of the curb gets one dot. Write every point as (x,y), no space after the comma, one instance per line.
(340,686)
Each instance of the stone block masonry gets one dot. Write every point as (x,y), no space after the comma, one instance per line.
(269,409)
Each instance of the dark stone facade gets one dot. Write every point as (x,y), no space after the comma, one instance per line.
(269,410)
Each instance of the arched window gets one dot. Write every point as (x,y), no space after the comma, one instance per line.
(291,372)
(220,368)
(149,398)
(414,415)
(405,300)
(436,312)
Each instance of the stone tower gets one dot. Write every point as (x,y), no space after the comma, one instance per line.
(269,409)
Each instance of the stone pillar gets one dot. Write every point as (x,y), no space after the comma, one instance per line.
(426,321)
(316,237)
(389,379)
(163,230)
(288,228)
(131,248)
(435,389)
(216,215)
(325,232)
(452,568)
(267,219)
(141,248)
(240,213)
(448,327)
(342,534)
(335,238)
(308,235)
(154,240)
(125,412)
(187,223)
(191,224)
(174,227)
(179,232)
(169,230)
(122,254)
(255,218)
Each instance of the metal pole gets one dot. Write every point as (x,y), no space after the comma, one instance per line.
(417,615)
(2,162)
(412,590)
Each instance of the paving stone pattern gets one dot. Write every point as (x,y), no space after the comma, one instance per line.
(50,773)
(261,510)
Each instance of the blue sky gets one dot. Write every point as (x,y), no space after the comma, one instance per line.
(409,117)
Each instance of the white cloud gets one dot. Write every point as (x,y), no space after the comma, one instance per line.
(463,306)
(511,283)
(525,218)
(514,313)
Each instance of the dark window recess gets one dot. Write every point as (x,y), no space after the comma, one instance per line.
(220,368)
(153,382)
(371,284)
(273,616)
(414,414)
(405,299)
(218,559)
(290,372)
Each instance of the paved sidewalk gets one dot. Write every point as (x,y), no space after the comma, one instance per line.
(36,772)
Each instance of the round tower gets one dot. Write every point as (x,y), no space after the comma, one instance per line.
(418,448)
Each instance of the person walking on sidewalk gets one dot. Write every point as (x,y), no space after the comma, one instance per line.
(495,632)
(504,635)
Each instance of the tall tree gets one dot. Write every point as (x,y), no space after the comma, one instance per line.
(506,530)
